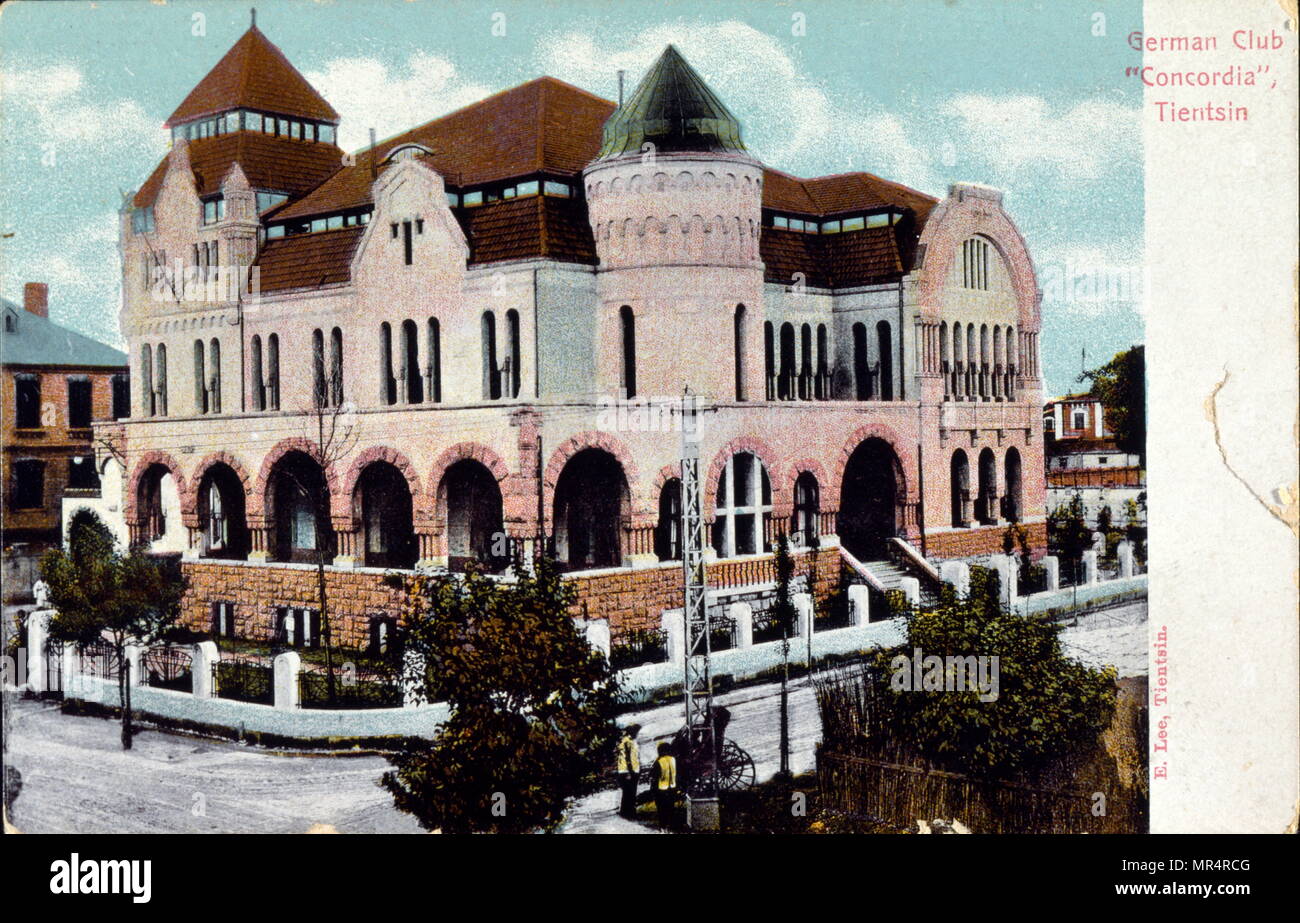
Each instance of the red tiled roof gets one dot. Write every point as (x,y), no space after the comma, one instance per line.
(853,258)
(840,193)
(308,260)
(544,125)
(277,164)
(254,74)
(515,229)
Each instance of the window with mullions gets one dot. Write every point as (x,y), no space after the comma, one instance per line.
(223,619)
(79,410)
(214,210)
(27,410)
(744,501)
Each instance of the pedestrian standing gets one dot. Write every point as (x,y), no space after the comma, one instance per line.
(627,764)
(665,784)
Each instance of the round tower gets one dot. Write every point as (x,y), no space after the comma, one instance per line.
(674,201)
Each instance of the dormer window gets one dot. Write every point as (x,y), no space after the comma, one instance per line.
(214,210)
(268,200)
(325,134)
(142,220)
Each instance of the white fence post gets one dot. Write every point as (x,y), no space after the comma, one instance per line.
(1052,567)
(956,573)
(674,625)
(38,636)
(911,588)
(202,663)
(1005,565)
(859,605)
(597,632)
(286,668)
(743,615)
(132,651)
(1089,568)
(803,608)
(1125,553)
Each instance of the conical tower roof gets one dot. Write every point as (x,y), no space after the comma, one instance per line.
(673,109)
(254,74)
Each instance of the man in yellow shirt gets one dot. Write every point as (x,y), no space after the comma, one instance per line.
(627,765)
(665,784)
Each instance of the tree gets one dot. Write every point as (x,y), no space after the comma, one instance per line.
(332,419)
(1121,386)
(783,612)
(532,703)
(1047,705)
(102,595)
(1067,531)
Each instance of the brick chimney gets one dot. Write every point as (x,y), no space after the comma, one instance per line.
(36,298)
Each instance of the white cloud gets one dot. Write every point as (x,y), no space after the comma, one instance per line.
(1079,141)
(788,121)
(57,106)
(368,93)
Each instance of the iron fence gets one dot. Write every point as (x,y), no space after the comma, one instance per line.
(98,659)
(639,646)
(167,668)
(244,679)
(357,682)
(766,627)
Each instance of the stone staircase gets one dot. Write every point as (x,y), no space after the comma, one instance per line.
(890,575)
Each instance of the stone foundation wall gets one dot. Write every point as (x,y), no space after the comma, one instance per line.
(970,543)
(628,599)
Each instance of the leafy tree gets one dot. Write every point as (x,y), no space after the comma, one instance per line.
(532,704)
(1047,705)
(102,595)
(1068,534)
(1121,387)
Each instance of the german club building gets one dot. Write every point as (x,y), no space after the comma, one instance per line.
(496,314)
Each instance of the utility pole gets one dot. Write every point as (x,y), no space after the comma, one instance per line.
(702,804)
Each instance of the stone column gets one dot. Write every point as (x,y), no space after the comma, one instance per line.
(287,694)
(1005,565)
(859,605)
(803,609)
(1125,553)
(133,652)
(597,632)
(956,573)
(38,637)
(743,615)
(1089,567)
(203,661)
(1052,565)
(911,588)
(674,626)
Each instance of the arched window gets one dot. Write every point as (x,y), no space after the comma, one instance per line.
(470,513)
(1011,502)
(668,531)
(146,381)
(627,337)
(200,379)
(986,507)
(258,382)
(221,513)
(972,363)
(769,359)
(861,366)
(387,383)
(301,510)
(214,375)
(945,364)
(884,342)
(592,506)
(320,391)
(807,510)
(491,375)
(386,517)
(805,363)
(1012,357)
(984,362)
(959,489)
(786,382)
(738,338)
(160,379)
(999,362)
(412,381)
(744,501)
(273,372)
(823,384)
(336,367)
(510,374)
(958,363)
(433,387)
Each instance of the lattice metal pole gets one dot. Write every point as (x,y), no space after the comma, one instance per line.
(699,678)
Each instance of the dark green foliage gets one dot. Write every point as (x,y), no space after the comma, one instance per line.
(102,595)
(1047,705)
(1121,386)
(532,704)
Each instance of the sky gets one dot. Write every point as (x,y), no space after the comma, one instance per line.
(1025,96)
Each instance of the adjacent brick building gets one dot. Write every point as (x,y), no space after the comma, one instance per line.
(501,309)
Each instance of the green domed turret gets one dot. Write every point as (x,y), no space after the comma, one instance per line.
(673,109)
